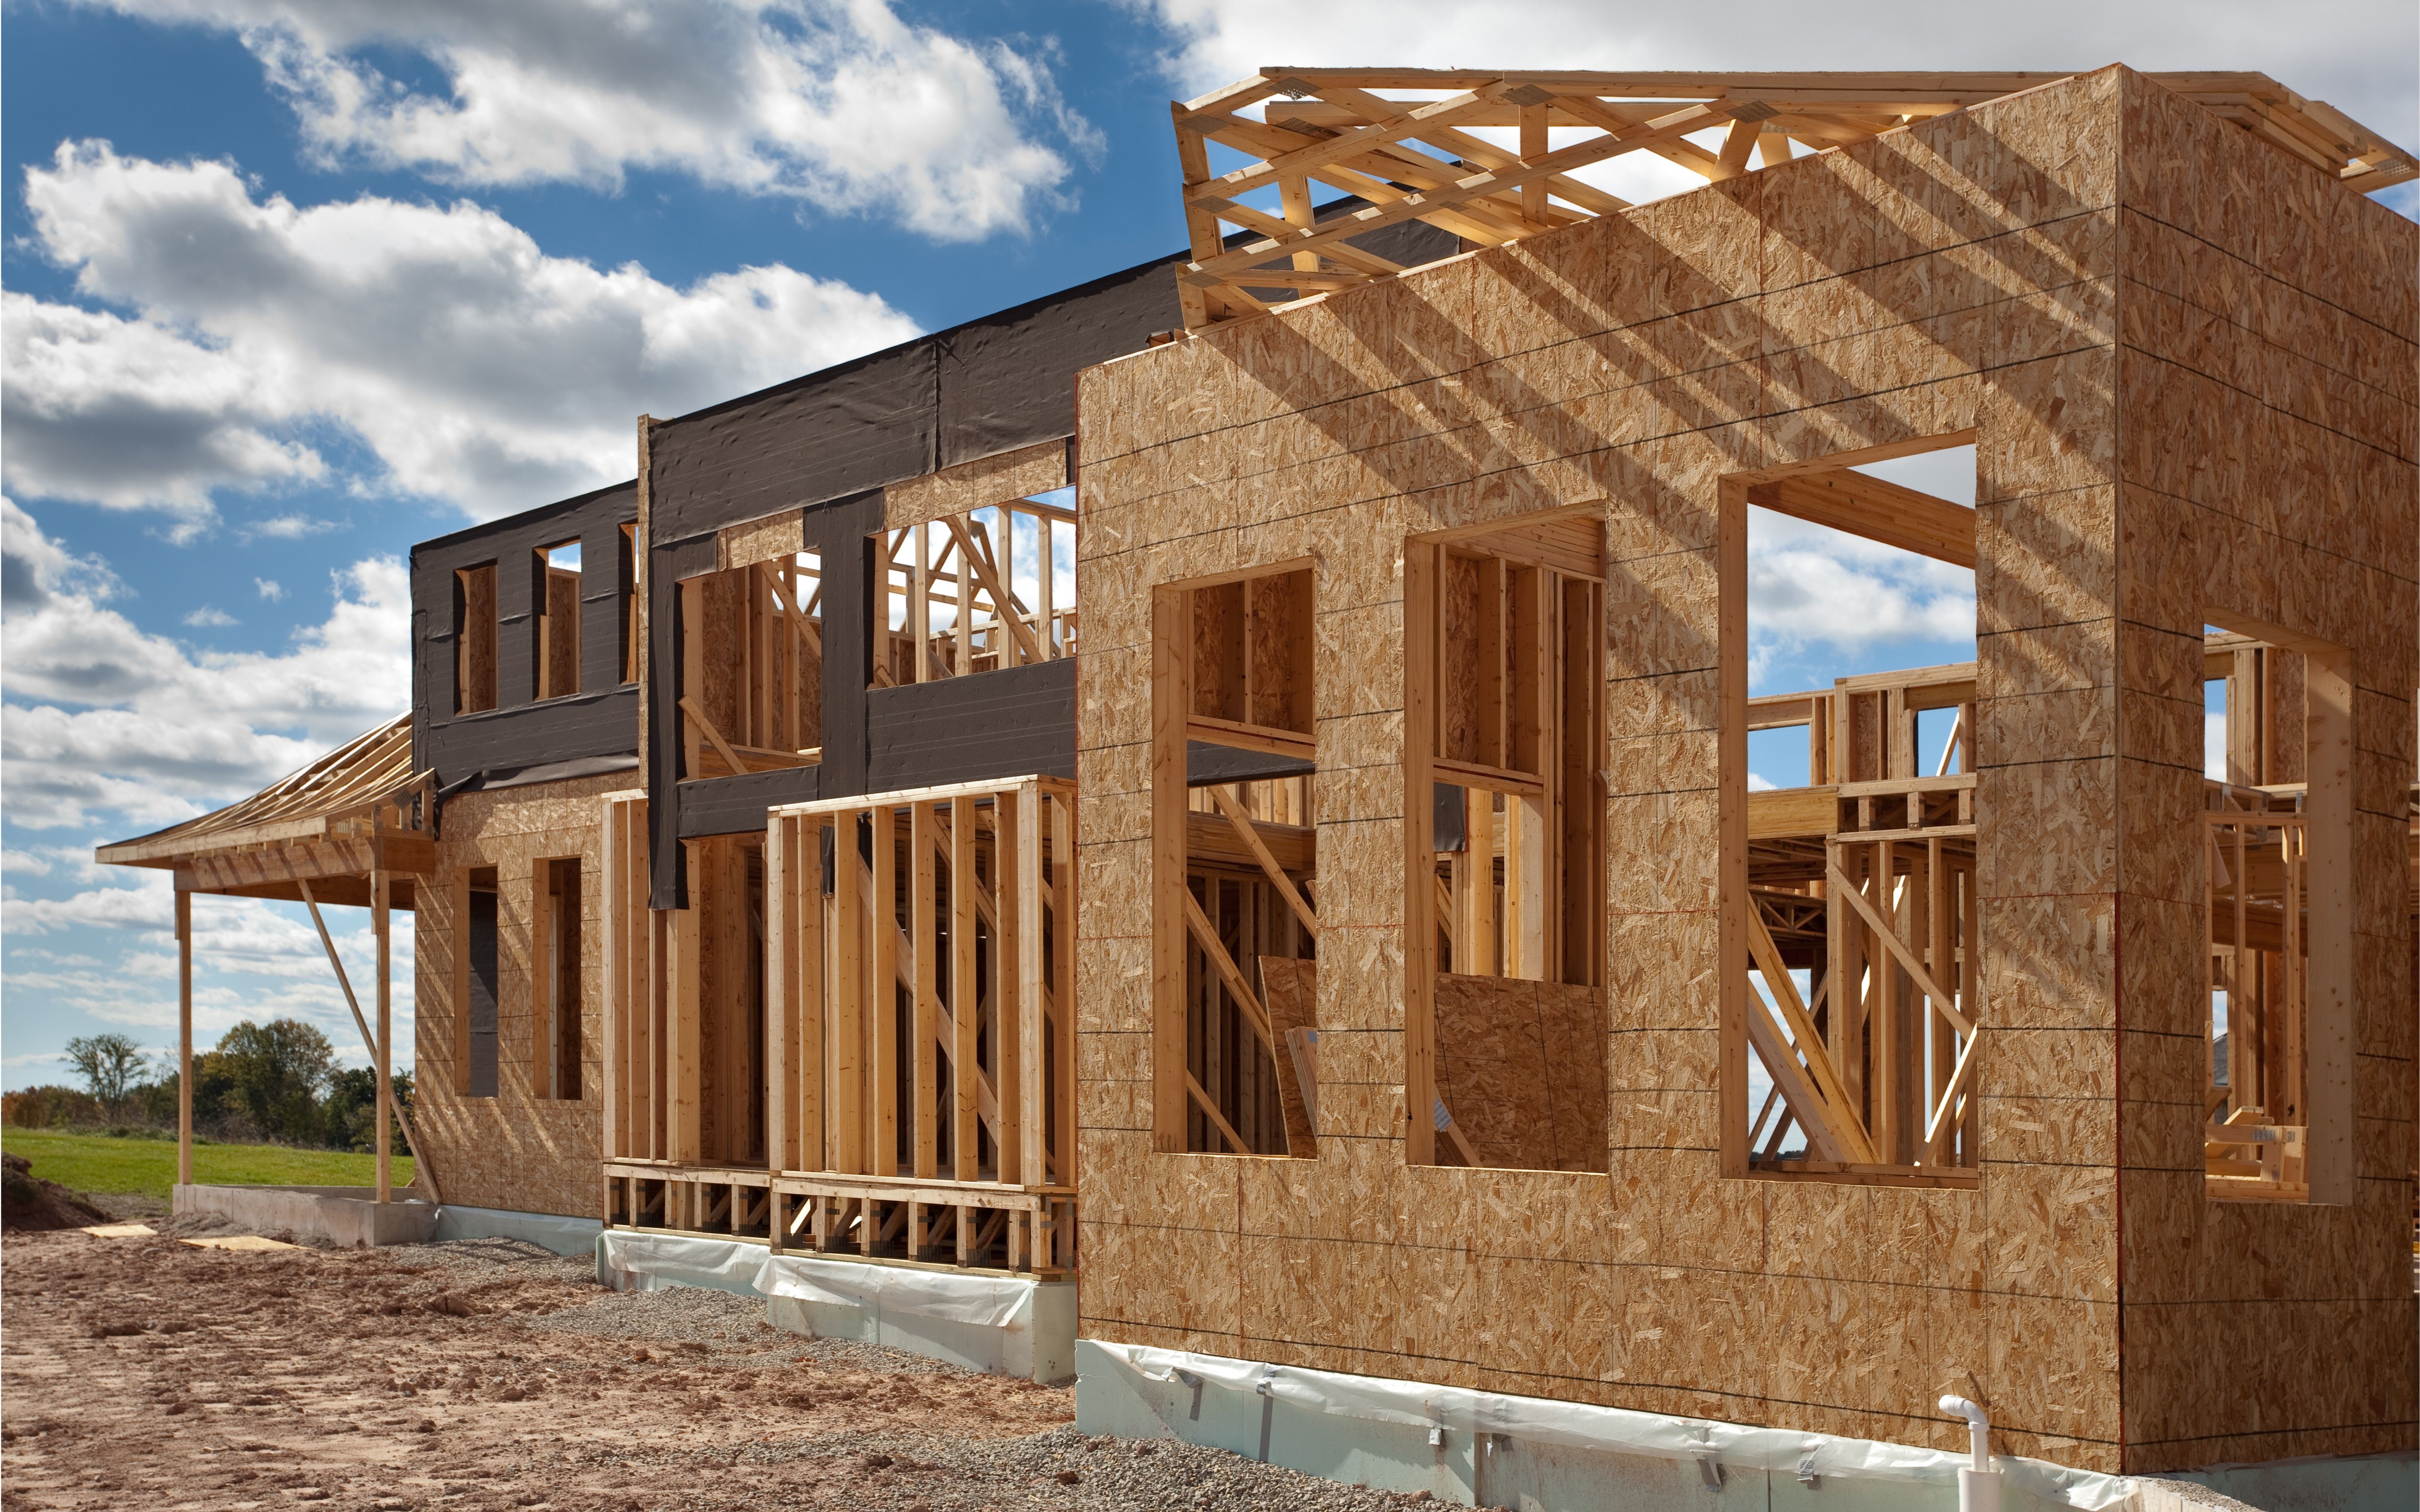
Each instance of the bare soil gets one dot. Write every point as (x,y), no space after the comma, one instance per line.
(492,1375)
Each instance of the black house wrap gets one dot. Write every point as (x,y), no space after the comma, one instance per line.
(591,732)
(825,445)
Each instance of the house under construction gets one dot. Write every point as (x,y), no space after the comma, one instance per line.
(1222,794)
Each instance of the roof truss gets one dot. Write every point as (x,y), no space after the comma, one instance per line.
(1400,139)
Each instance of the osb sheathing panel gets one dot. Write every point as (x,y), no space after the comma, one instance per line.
(977,485)
(513,1150)
(1971,271)
(2265,368)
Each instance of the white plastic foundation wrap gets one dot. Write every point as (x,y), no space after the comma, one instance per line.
(1008,1325)
(979,1301)
(1611,1430)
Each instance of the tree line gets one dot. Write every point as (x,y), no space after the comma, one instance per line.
(273,1083)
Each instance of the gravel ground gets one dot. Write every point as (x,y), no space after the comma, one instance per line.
(491,1374)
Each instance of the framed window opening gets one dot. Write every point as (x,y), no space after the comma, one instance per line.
(1852,1010)
(626,571)
(476,982)
(558,976)
(1504,736)
(977,592)
(474,639)
(2275,853)
(557,663)
(1234,865)
(752,667)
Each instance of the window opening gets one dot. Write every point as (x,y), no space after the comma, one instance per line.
(558,973)
(1235,871)
(474,639)
(751,683)
(1854,1011)
(1506,733)
(479,995)
(979,591)
(558,621)
(628,588)
(2274,822)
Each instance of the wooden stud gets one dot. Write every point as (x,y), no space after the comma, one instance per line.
(1010,1006)
(185,1036)
(1731,566)
(1171,699)
(924,932)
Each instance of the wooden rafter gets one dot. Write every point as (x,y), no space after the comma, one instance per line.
(1401,140)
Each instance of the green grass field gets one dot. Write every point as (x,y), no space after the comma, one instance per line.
(97,1162)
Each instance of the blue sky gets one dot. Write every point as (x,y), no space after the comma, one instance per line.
(293,284)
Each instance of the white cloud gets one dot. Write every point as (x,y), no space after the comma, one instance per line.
(2355,53)
(839,104)
(104,717)
(289,527)
(207,618)
(130,414)
(1808,585)
(475,366)
(270,589)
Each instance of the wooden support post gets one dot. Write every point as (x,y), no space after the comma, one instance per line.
(882,908)
(924,933)
(964,994)
(1062,984)
(1478,932)
(184,1037)
(1730,753)
(780,1002)
(380,883)
(1032,923)
(845,1080)
(1009,1007)
(1172,703)
(811,981)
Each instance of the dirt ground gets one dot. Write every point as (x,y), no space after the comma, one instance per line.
(489,1374)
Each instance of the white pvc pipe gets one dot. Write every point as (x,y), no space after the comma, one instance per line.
(1979,1485)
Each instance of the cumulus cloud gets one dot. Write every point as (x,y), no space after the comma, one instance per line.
(130,414)
(1844,599)
(289,527)
(476,367)
(207,618)
(270,589)
(839,104)
(106,718)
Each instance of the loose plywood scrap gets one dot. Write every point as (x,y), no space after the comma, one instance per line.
(1521,1068)
(120,1230)
(239,1241)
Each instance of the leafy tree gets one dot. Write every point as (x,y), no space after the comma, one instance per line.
(274,1072)
(351,1110)
(111,1065)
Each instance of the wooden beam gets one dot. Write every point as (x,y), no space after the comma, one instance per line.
(1838,1114)
(1844,498)
(1251,839)
(1218,1120)
(1858,900)
(1206,937)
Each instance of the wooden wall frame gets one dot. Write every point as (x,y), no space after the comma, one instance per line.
(2329,1012)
